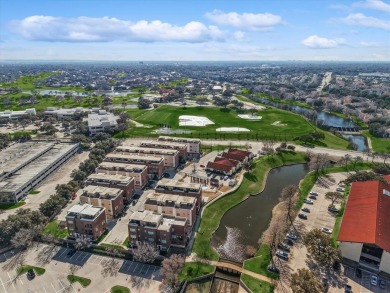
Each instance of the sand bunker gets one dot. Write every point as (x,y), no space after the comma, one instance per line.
(278,123)
(250,117)
(232,129)
(188,120)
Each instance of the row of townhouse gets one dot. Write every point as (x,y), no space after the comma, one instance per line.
(121,174)
(229,162)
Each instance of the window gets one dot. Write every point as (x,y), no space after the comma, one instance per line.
(133,230)
(133,237)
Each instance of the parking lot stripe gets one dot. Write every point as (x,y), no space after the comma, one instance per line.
(86,255)
(148,270)
(44,289)
(135,267)
(130,264)
(65,250)
(82,254)
(55,290)
(1,281)
(74,255)
(20,279)
(10,279)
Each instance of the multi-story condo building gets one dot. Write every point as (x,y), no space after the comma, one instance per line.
(86,221)
(364,231)
(180,147)
(155,164)
(160,231)
(139,172)
(171,157)
(193,144)
(172,205)
(125,183)
(181,188)
(109,198)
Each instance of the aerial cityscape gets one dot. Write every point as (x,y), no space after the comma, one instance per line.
(194,146)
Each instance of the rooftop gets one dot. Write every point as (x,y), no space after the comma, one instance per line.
(146,216)
(84,210)
(100,192)
(110,177)
(146,150)
(163,144)
(180,184)
(123,166)
(135,157)
(97,120)
(174,198)
(182,139)
(366,217)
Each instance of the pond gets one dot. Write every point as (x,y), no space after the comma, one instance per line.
(243,225)
(358,140)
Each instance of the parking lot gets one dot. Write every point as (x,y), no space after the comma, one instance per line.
(80,258)
(363,284)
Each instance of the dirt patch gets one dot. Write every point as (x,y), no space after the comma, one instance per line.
(224,188)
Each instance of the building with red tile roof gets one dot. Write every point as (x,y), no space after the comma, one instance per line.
(365,228)
(223,165)
(238,155)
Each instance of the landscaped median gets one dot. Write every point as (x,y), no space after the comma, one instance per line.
(83,281)
(192,270)
(119,289)
(252,183)
(24,269)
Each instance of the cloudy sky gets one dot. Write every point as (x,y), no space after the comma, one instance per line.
(195,30)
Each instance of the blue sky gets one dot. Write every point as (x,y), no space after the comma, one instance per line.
(195,30)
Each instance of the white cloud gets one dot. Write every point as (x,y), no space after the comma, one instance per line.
(105,29)
(317,42)
(373,4)
(369,44)
(239,36)
(367,21)
(245,21)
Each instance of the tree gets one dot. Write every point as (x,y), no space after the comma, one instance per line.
(356,160)
(110,267)
(82,243)
(345,160)
(78,175)
(143,103)
(363,176)
(48,129)
(381,168)
(52,206)
(289,195)
(24,238)
(305,281)
(334,197)
(170,270)
(319,246)
(146,253)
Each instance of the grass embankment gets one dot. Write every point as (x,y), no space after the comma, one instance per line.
(119,289)
(101,237)
(257,286)
(379,145)
(83,281)
(24,269)
(53,228)
(192,270)
(111,246)
(336,227)
(251,184)
(10,206)
(260,262)
(126,242)
(32,192)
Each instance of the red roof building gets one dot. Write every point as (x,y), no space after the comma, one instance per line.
(238,155)
(223,165)
(365,228)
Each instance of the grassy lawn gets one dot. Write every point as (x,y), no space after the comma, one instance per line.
(53,229)
(260,262)
(10,206)
(101,237)
(339,217)
(126,242)
(251,184)
(257,286)
(34,192)
(27,82)
(379,145)
(119,289)
(294,125)
(111,245)
(83,281)
(193,270)
(24,269)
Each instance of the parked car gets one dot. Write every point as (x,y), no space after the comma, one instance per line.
(306,210)
(30,274)
(284,246)
(313,193)
(273,269)
(302,216)
(348,289)
(326,230)
(292,236)
(308,201)
(382,284)
(282,254)
(333,209)
(340,189)
(288,242)
(225,178)
(312,197)
(374,280)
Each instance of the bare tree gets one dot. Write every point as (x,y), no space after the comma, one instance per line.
(170,270)
(334,197)
(318,162)
(356,160)
(305,281)
(24,238)
(110,267)
(289,195)
(82,243)
(145,253)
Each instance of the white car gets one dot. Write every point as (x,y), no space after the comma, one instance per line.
(326,230)
(313,193)
(374,280)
